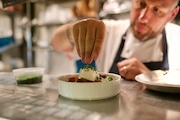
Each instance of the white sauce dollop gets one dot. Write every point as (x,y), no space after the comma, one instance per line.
(88,74)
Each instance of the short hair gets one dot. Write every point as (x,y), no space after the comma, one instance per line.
(178,2)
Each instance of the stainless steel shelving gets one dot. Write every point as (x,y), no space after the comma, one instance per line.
(10,46)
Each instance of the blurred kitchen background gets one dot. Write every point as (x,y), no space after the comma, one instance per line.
(26,28)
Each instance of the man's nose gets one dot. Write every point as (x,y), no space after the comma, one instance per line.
(145,15)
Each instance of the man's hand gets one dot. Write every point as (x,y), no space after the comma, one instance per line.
(129,68)
(89,36)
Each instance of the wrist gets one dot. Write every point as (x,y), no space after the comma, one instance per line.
(69,36)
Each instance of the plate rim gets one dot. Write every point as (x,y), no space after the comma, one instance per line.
(155,83)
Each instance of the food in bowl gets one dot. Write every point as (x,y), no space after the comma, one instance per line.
(88,90)
(31,75)
(89,74)
(29,79)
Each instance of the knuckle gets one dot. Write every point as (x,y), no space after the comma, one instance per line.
(135,60)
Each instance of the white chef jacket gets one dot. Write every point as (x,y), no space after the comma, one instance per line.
(114,31)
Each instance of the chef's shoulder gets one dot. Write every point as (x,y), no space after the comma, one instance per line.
(111,23)
(172,28)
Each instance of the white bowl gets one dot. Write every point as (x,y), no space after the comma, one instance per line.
(88,90)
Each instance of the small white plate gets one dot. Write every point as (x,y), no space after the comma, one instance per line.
(163,81)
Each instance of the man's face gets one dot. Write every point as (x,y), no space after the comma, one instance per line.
(148,17)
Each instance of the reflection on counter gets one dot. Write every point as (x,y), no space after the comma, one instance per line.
(133,103)
(29,90)
(105,107)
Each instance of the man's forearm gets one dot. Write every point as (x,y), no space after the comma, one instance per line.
(62,39)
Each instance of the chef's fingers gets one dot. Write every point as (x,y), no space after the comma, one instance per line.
(82,39)
(76,37)
(90,41)
(99,38)
(123,63)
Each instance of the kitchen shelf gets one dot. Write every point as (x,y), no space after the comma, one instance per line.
(10,46)
(39,24)
(53,1)
(46,24)
(11,13)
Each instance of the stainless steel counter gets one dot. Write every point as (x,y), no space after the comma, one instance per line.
(42,102)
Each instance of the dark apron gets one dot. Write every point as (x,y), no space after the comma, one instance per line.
(164,65)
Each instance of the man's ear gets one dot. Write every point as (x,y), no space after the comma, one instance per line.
(174,13)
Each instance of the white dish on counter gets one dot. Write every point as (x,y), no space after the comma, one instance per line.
(88,90)
(159,80)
